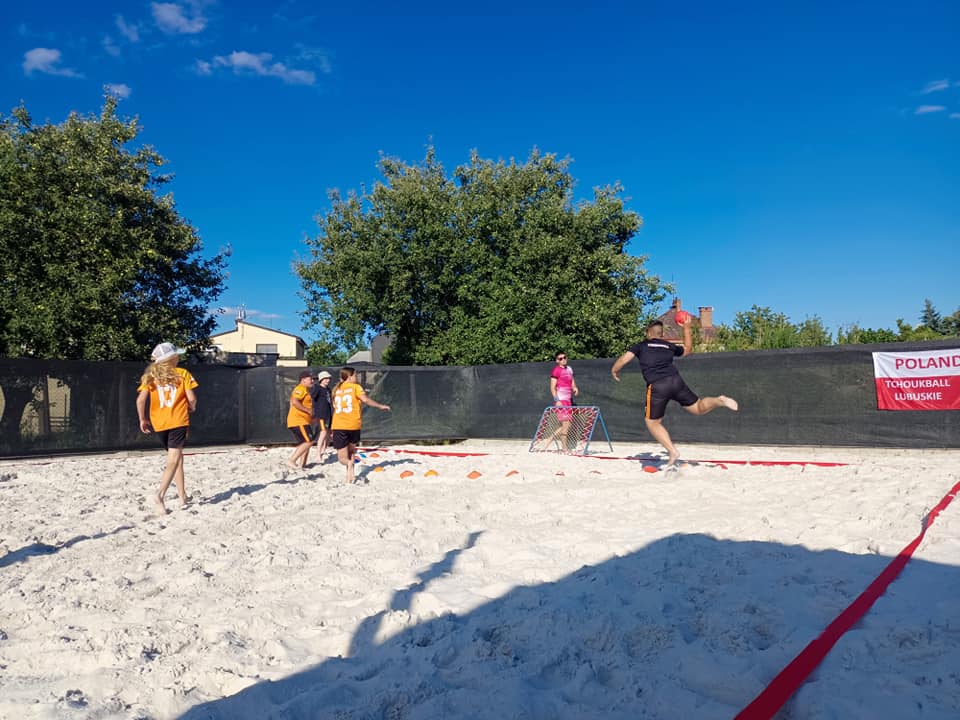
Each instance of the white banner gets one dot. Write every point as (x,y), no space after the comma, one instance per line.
(921,380)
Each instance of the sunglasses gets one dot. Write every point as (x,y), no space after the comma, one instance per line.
(561,357)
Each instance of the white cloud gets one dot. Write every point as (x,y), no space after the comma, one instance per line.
(954,116)
(46,60)
(318,58)
(119,90)
(233,310)
(170,18)
(935,86)
(110,46)
(927,109)
(204,68)
(130,32)
(262,64)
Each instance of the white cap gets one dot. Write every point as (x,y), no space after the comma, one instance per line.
(323,374)
(165,351)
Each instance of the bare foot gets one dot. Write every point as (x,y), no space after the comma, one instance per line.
(672,461)
(161,508)
(729,403)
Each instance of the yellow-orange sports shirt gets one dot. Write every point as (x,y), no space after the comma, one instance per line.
(347,404)
(169,407)
(295,416)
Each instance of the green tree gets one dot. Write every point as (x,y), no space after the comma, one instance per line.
(951,324)
(855,335)
(907,333)
(494,264)
(94,263)
(760,328)
(323,353)
(930,318)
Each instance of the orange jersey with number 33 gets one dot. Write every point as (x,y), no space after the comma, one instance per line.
(347,406)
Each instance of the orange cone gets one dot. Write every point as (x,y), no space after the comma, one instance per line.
(378,468)
(650,469)
(431,473)
(406,474)
(473,475)
(513,472)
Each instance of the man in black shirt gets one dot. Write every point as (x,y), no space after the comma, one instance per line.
(665,384)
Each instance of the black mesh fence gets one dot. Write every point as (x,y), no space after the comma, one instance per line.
(821,396)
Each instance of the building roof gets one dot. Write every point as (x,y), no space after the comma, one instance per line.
(278,332)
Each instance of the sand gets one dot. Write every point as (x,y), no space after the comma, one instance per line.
(548,586)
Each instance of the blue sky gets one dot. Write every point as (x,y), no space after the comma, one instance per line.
(797,155)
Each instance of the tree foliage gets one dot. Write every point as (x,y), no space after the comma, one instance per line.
(932,326)
(760,328)
(324,353)
(94,263)
(493,264)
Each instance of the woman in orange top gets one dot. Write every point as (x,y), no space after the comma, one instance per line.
(170,392)
(348,399)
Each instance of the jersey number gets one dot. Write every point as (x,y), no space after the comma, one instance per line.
(166,394)
(343,404)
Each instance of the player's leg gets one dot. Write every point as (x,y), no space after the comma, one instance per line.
(708,404)
(660,434)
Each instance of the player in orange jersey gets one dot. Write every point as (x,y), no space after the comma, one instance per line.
(300,420)
(169,390)
(348,399)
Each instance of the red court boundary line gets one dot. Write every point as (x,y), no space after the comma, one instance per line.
(786,683)
(762,463)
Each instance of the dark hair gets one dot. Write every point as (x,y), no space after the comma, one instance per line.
(306,374)
(655,323)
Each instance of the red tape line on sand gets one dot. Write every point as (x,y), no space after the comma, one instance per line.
(430,453)
(773,697)
(762,463)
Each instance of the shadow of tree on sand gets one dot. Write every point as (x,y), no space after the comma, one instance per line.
(689,626)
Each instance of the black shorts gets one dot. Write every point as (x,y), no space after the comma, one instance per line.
(661,392)
(303,433)
(174,438)
(341,438)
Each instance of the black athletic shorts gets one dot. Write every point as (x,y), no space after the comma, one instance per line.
(660,392)
(174,438)
(341,438)
(303,433)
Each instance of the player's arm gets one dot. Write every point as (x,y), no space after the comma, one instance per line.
(370,402)
(295,402)
(142,397)
(687,338)
(620,363)
(553,387)
(191,399)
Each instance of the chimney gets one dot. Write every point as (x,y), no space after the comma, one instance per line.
(676,304)
(706,317)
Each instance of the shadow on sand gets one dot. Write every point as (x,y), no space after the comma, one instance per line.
(687,627)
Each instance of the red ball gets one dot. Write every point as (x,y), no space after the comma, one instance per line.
(682,317)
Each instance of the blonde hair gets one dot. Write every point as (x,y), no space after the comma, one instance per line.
(161,373)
